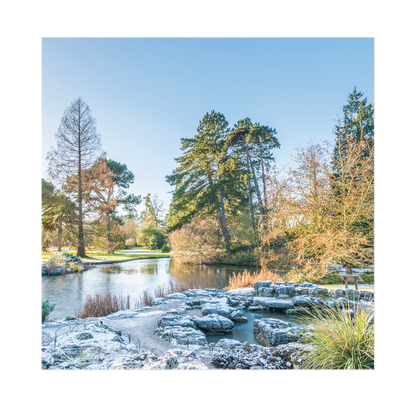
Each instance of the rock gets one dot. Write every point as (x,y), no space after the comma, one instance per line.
(126,363)
(216,308)
(366,295)
(337,293)
(192,365)
(84,336)
(255,308)
(320,291)
(233,302)
(274,303)
(171,360)
(175,296)
(285,291)
(306,301)
(258,285)
(228,344)
(237,316)
(248,358)
(352,294)
(117,338)
(214,323)
(266,291)
(307,284)
(271,332)
(182,335)
(177,320)
(197,292)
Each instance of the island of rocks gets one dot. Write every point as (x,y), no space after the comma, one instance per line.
(172,333)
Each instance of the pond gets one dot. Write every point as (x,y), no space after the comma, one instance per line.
(243,332)
(69,291)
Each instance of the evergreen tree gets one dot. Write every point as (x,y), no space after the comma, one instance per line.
(252,145)
(207,180)
(357,122)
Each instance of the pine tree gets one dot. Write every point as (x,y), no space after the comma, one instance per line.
(357,122)
(207,180)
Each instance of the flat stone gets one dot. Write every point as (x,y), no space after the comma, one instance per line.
(271,332)
(216,308)
(260,284)
(274,303)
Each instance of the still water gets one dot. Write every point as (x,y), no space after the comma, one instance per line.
(69,292)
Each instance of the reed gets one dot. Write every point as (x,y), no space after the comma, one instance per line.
(247,279)
(103,305)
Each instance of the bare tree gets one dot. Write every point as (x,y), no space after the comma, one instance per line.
(77,148)
(322,213)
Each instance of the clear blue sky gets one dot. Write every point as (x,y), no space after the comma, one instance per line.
(147,94)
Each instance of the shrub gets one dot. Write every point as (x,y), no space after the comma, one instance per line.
(165,248)
(46,309)
(151,237)
(338,340)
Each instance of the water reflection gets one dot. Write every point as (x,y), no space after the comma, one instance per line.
(201,274)
(69,292)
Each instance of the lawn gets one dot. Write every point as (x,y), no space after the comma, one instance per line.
(106,256)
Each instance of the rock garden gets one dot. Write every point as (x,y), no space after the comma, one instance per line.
(174,332)
(64,263)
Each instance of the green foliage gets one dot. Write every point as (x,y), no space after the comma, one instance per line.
(47,308)
(165,248)
(151,237)
(358,121)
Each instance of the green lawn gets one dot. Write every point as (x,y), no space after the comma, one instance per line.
(106,256)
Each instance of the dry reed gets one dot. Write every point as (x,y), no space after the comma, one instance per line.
(247,279)
(103,305)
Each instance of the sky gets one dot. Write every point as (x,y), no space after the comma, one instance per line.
(148,93)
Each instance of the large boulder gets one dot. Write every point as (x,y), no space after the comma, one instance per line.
(176,320)
(219,308)
(285,290)
(306,301)
(266,291)
(181,335)
(271,332)
(258,285)
(214,324)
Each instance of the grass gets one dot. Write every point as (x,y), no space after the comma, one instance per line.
(107,256)
(337,340)
(247,279)
(103,305)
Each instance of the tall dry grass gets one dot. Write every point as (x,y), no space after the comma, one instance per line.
(247,279)
(103,305)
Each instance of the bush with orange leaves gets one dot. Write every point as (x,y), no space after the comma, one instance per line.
(322,211)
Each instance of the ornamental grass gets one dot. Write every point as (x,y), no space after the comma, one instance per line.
(337,340)
(247,279)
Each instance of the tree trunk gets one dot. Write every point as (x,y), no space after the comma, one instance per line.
(263,175)
(109,236)
(59,233)
(256,185)
(250,198)
(221,218)
(81,244)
